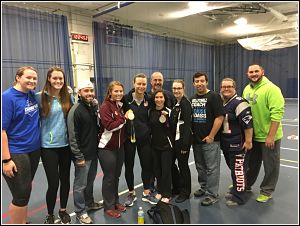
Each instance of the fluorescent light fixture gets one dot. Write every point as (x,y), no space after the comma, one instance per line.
(241,21)
(198,5)
(241,30)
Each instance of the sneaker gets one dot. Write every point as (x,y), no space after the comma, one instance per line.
(209,200)
(131,198)
(95,206)
(263,198)
(181,198)
(231,203)
(228,195)
(84,219)
(199,193)
(150,198)
(49,219)
(64,217)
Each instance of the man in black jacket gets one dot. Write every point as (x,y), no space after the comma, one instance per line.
(82,129)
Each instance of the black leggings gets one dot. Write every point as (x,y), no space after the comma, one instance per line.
(20,185)
(145,156)
(57,164)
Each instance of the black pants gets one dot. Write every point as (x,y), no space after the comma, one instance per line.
(162,162)
(111,162)
(57,164)
(181,180)
(145,156)
(238,162)
(20,185)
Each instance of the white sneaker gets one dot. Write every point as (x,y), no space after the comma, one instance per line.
(84,219)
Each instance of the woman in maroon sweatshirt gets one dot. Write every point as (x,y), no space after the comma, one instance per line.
(111,147)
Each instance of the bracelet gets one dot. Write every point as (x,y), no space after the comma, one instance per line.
(6,160)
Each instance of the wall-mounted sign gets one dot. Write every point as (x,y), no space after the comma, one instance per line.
(80,37)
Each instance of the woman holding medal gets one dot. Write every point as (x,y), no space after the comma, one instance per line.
(137,133)
(162,145)
(181,116)
(111,147)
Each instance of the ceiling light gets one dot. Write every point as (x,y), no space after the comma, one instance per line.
(197,5)
(241,21)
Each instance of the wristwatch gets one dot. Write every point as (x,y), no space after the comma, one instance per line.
(6,160)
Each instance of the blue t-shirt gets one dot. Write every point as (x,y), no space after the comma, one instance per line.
(54,127)
(21,121)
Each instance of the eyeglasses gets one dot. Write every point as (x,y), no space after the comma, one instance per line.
(227,87)
(177,88)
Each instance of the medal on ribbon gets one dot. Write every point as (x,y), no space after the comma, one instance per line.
(162,119)
(130,116)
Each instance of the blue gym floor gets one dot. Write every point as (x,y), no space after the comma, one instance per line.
(282,209)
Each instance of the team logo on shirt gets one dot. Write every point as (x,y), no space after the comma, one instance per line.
(251,99)
(247,118)
(31,108)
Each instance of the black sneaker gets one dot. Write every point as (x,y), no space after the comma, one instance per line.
(49,219)
(181,198)
(95,206)
(64,217)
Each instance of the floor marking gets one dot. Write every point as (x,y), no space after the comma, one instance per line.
(289,125)
(290,120)
(294,167)
(287,160)
(290,149)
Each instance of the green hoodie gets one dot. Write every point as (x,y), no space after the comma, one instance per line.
(267,104)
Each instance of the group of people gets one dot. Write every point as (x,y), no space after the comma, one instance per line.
(160,125)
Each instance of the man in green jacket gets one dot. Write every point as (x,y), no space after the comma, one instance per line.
(267,107)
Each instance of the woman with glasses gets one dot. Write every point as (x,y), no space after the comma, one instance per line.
(181,128)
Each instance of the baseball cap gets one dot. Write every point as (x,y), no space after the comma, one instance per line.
(85,84)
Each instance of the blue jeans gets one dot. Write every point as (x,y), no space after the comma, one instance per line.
(83,186)
(207,160)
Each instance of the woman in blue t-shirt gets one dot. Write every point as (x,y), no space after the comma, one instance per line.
(20,140)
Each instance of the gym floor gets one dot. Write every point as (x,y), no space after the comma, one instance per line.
(282,209)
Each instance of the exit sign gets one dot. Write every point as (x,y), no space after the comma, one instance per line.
(80,37)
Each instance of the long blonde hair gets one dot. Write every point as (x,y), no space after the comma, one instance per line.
(110,88)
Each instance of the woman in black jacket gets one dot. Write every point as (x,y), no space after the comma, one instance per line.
(161,143)
(181,129)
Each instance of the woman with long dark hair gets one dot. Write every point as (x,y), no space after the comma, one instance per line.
(55,103)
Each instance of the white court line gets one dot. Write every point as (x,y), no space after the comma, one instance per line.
(290,149)
(289,120)
(289,125)
(294,167)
